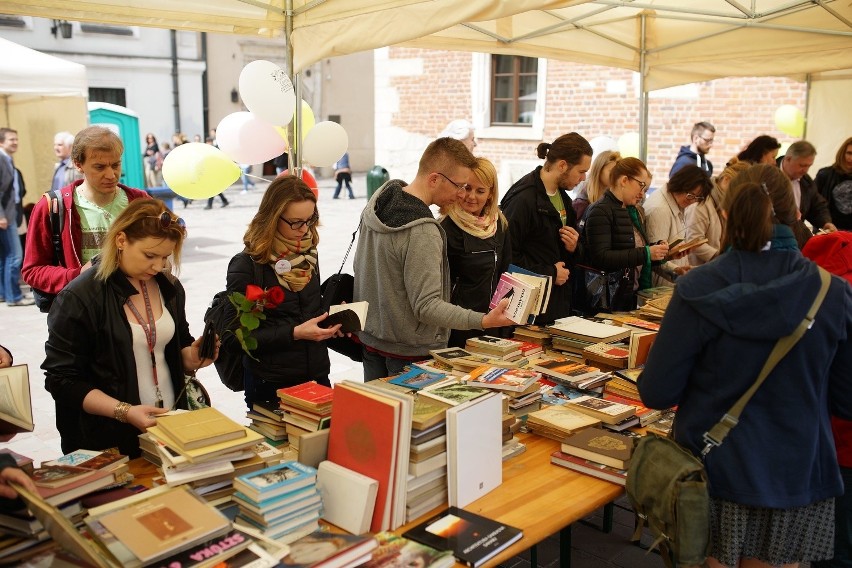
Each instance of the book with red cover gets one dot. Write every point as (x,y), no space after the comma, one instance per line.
(311,395)
(363,438)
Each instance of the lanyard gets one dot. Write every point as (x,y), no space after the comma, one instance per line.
(150,330)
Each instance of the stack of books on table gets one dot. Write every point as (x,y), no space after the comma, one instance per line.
(614,415)
(599,453)
(464,361)
(558,422)
(501,349)
(305,408)
(623,383)
(644,414)
(606,356)
(58,483)
(575,333)
(322,549)
(654,308)
(571,373)
(397,552)
(533,334)
(283,501)
(643,296)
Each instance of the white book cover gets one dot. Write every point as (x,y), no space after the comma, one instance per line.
(474,449)
(581,326)
(348,497)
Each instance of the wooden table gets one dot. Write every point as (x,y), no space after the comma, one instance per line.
(539,498)
(536,496)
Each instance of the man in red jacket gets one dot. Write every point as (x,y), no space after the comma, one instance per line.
(88,207)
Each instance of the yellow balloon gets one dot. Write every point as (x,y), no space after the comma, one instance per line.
(282,131)
(198,171)
(308,118)
(628,144)
(790,120)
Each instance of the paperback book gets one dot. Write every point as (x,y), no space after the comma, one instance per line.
(276,480)
(16,411)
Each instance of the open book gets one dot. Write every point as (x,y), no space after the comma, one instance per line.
(353,316)
(16,411)
(681,245)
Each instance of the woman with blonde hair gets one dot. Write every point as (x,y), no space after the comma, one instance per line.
(118,343)
(478,247)
(705,219)
(281,251)
(834,183)
(597,181)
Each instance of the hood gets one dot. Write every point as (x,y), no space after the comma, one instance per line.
(529,182)
(753,295)
(685,151)
(391,209)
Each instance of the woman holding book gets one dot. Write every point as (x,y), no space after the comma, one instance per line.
(705,220)
(616,237)
(774,479)
(118,343)
(478,246)
(281,251)
(665,210)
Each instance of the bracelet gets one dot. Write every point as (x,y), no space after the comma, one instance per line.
(120,411)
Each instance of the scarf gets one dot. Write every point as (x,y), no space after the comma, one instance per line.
(479,227)
(302,256)
(783,238)
(645,274)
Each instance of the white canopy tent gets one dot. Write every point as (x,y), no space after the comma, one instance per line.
(669,42)
(41,95)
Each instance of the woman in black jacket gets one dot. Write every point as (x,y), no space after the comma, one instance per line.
(834,182)
(118,343)
(615,235)
(281,251)
(478,247)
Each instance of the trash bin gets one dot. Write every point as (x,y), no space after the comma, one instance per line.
(375,178)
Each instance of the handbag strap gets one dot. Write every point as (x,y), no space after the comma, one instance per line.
(716,435)
(345,256)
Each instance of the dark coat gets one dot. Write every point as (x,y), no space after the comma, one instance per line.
(281,359)
(611,244)
(836,189)
(534,235)
(475,268)
(90,346)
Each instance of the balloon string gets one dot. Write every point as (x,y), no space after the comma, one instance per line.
(260,178)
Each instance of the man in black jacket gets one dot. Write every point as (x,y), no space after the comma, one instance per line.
(542,221)
(795,164)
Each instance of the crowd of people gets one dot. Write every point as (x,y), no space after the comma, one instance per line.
(431,280)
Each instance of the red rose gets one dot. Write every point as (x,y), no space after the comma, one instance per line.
(254,293)
(274,296)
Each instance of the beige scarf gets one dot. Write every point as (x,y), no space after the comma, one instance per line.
(302,256)
(480,227)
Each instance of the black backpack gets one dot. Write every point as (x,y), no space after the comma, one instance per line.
(43,300)
(221,315)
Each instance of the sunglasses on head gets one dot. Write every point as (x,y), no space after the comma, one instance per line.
(166,221)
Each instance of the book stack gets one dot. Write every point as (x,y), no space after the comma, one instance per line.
(463,360)
(282,501)
(574,333)
(494,347)
(58,483)
(599,453)
(654,308)
(647,294)
(623,383)
(571,373)
(558,422)
(321,549)
(266,419)
(606,356)
(608,412)
(663,424)
(528,294)
(534,334)
(644,414)
(305,408)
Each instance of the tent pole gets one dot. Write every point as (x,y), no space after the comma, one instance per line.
(807,105)
(643,94)
(294,161)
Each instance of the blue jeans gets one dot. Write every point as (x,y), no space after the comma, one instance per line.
(377,366)
(11,258)
(245,179)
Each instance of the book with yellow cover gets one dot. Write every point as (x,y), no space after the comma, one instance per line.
(210,452)
(199,428)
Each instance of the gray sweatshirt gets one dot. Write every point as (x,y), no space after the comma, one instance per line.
(401,269)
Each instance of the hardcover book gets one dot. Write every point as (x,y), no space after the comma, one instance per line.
(454,394)
(351,316)
(640,346)
(329,550)
(474,539)
(588,467)
(16,411)
(474,449)
(608,448)
(500,378)
(348,497)
(602,409)
(587,330)
(310,395)
(199,428)
(276,480)
(207,453)
(397,552)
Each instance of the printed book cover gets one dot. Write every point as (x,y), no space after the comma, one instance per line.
(91,459)
(605,410)
(330,549)
(310,394)
(500,378)
(271,481)
(608,448)
(417,379)
(455,393)
(397,552)
(474,539)
(589,467)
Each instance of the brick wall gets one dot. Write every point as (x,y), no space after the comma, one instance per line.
(598,101)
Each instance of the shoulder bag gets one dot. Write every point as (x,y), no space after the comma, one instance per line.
(667,484)
(337,289)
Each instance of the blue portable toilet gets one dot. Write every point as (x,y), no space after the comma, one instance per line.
(125,123)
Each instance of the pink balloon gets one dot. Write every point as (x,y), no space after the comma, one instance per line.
(248,140)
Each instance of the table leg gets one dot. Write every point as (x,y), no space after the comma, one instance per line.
(608,512)
(534,556)
(565,547)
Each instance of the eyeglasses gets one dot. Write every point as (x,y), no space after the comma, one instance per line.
(706,140)
(461,186)
(692,197)
(642,184)
(166,221)
(296,225)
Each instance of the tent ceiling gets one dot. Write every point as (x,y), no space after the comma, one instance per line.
(684,40)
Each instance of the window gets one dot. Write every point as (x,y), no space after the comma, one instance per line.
(17,22)
(93,28)
(514,90)
(112,96)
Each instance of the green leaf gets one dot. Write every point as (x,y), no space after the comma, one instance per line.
(251,343)
(246,305)
(249,321)
(236,299)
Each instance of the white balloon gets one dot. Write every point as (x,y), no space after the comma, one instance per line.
(248,140)
(267,92)
(325,143)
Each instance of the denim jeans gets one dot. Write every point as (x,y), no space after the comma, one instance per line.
(11,258)
(377,366)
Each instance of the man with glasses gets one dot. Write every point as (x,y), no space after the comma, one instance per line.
(795,164)
(401,265)
(703,136)
(85,210)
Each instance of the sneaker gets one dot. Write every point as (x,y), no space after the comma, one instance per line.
(22,302)
(226,204)
(243,192)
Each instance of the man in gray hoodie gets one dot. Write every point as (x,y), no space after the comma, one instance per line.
(401,265)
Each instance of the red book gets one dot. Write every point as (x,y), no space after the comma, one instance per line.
(363,438)
(310,395)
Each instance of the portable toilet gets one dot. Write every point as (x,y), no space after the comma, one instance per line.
(125,123)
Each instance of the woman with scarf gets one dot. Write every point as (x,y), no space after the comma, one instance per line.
(478,247)
(281,250)
(705,219)
(616,238)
